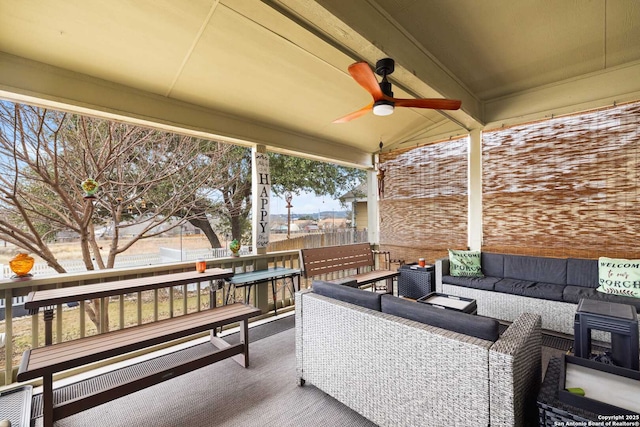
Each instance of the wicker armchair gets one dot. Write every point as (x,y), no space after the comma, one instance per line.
(397,372)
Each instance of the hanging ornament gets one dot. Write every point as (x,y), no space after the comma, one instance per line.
(234,246)
(380,175)
(381,183)
(89,186)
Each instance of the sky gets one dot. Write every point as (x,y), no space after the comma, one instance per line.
(305,203)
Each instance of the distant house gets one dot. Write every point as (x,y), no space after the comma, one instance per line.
(17,308)
(333,223)
(282,228)
(358,200)
(311,228)
(137,227)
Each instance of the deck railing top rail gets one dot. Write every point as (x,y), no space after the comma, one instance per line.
(13,288)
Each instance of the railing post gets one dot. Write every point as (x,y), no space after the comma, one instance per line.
(262,289)
(8,341)
(48,327)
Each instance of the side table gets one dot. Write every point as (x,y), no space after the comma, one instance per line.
(621,320)
(414,281)
(551,411)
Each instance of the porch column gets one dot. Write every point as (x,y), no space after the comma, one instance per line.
(261,200)
(373,211)
(475,190)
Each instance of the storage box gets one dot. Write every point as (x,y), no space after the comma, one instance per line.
(609,389)
(414,281)
(450,302)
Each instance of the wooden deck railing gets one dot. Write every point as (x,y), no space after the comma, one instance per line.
(164,304)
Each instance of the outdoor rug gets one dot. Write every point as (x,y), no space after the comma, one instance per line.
(225,394)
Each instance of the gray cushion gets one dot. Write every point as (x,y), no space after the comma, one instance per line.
(485,283)
(492,264)
(513,286)
(468,324)
(531,289)
(355,296)
(575,293)
(536,269)
(548,291)
(582,272)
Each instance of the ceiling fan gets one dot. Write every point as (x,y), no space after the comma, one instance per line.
(383,100)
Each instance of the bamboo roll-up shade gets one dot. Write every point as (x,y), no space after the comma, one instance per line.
(568,186)
(424,209)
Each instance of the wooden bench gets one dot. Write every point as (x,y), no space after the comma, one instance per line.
(345,259)
(48,360)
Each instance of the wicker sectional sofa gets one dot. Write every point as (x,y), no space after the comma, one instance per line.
(515,284)
(396,371)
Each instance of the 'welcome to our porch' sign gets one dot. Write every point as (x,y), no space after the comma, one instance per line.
(263,188)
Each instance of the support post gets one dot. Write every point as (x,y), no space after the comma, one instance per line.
(47,399)
(261,195)
(474,238)
(373,231)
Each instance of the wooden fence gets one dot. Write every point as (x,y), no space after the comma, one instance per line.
(318,240)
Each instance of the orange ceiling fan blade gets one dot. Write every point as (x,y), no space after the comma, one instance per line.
(433,103)
(354,115)
(363,74)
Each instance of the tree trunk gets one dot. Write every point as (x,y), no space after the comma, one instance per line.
(93,310)
(236,228)
(205,226)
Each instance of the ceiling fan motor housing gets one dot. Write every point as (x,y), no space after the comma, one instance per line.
(385,66)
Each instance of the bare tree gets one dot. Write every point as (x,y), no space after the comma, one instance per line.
(235,188)
(147,179)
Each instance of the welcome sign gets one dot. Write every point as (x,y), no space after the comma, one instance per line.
(619,276)
(465,263)
(262,188)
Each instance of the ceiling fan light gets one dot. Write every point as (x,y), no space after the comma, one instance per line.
(382,109)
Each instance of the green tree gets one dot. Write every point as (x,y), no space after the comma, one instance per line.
(288,174)
(306,217)
(296,174)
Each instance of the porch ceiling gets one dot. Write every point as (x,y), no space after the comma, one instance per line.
(274,72)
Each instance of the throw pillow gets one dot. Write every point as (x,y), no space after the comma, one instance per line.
(465,263)
(619,276)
